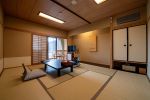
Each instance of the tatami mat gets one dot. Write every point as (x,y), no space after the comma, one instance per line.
(49,82)
(76,71)
(82,87)
(13,88)
(98,69)
(82,84)
(126,86)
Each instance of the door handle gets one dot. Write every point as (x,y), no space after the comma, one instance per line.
(124,45)
(130,44)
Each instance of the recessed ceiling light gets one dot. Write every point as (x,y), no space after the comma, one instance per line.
(74,2)
(99,1)
(51,18)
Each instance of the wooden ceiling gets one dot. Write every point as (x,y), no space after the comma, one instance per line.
(87,9)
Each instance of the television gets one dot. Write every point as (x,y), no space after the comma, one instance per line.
(71,48)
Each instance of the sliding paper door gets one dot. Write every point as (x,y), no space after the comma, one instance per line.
(39,49)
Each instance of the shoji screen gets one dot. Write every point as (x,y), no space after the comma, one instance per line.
(39,49)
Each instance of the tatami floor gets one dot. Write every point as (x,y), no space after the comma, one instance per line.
(85,83)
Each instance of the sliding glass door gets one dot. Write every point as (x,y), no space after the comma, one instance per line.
(52,47)
(44,48)
(61,48)
(57,48)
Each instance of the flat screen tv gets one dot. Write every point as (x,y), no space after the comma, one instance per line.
(71,48)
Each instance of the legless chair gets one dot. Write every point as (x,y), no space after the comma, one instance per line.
(28,74)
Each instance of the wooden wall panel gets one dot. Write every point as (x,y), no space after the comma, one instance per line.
(1,38)
(22,25)
(16,43)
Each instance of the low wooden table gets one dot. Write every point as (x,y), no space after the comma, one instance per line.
(58,65)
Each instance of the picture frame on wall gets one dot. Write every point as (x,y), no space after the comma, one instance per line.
(93,43)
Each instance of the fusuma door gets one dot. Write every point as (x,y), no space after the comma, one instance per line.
(137,43)
(129,44)
(120,44)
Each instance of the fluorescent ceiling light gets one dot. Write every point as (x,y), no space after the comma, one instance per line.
(99,1)
(51,18)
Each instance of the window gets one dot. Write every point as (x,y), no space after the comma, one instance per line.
(39,49)
(44,48)
(51,48)
(61,48)
(57,48)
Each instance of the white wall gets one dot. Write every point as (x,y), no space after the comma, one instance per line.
(148,17)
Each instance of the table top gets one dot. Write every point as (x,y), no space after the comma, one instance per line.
(55,63)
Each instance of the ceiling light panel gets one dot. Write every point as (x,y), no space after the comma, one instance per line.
(50,18)
(99,1)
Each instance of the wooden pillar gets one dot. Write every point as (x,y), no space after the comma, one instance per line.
(111,42)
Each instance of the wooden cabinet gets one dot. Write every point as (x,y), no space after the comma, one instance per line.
(129,45)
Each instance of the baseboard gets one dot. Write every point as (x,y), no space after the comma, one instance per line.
(96,64)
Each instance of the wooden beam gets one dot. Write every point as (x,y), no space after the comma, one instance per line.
(56,2)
